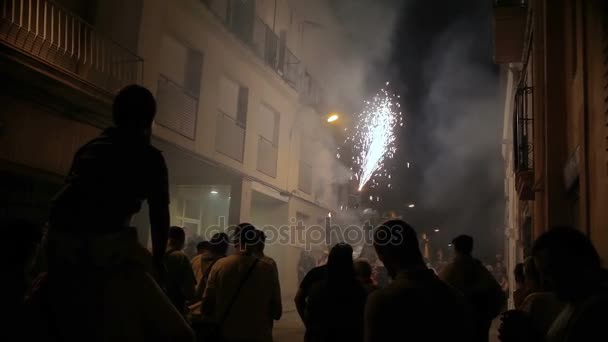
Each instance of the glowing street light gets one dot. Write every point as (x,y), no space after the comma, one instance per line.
(450,245)
(333,117)
(411,205)
(436,230)
(213,192)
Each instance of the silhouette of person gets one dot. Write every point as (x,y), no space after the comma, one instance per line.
(315,275)
(569,263)
(334,310)
(476,283)
(111,176)
(540,307)
(363,271)
(98,287)
(416,305)
(521,291)
(201,266)
(243,295)
(180,278)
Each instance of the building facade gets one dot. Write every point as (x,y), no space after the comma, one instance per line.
(240,112)
(555,61)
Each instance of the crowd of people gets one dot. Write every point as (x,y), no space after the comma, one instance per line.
(94,281)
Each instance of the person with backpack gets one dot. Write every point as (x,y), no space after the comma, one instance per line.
(477,284)
(241,293)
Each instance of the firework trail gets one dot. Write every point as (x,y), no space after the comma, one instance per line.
(373,137)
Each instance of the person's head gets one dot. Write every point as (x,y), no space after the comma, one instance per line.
(177,238)
(260,242)
(134,109)
(518,272)
(396,244)
(363,270)
(245,237)
(218,245)
(463,245)
(202,246)
(567,260)
(340,264)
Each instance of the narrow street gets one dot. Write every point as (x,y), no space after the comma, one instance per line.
(290,328)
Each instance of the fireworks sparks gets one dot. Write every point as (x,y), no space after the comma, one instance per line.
(373,137)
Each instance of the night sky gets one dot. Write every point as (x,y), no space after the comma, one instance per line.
(440,62)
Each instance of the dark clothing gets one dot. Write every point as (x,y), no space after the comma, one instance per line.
(519,296)
(335,314)
(480,288)
(582,320)
(417,306)
(109,179)
(313,276)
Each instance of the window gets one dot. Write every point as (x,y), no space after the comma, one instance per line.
(241,16)
(231,119)
(233,100)
(282,48)
(178,86)
(268,123)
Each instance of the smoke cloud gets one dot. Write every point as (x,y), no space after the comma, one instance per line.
(454,134)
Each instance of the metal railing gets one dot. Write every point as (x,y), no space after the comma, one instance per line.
(177,109)
(523,130)
(256,34)
(267,157)
(47,31)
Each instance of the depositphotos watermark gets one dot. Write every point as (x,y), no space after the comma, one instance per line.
(296,233)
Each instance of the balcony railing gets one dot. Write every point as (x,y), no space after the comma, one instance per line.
(523,130)
(48,32)
(240,19)
(267,157)
(177,108)
(229,137)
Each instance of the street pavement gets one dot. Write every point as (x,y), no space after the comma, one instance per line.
(290,328)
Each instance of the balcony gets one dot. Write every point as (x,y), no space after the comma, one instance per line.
(267,157)
(239,18)
(48,33)
(229,137)
(523,149)
(509,30)
(177,108)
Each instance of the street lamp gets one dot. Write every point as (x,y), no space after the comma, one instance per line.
(411,205)
(333,117)
(436,230)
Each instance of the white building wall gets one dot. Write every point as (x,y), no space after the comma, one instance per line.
(512,204)
(188,24)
